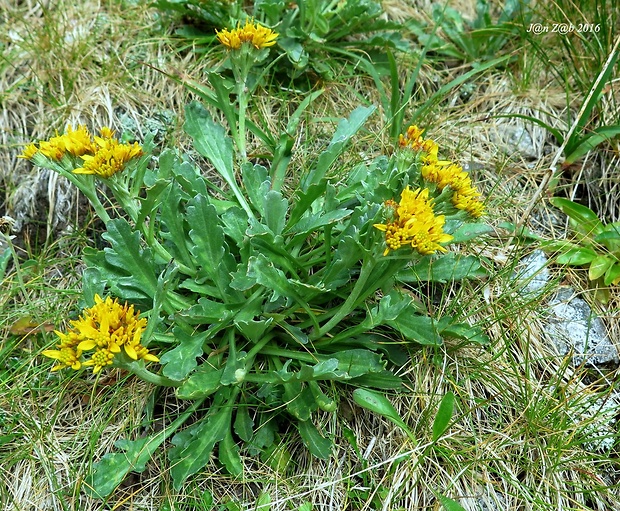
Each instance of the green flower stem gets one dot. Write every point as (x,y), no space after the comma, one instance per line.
(85,184)
(122,195)
(137,182)
(87,187)
(243,103)
(241,69)
(91,195)
(144,374)
(345,334)
(387,272)
(387,268)
(259,346)
(350,303)
(295,355)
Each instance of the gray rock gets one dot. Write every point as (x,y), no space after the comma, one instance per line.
(491,502)
(573,327)
(485,499)
(514,138)
(531,273)
(600,417)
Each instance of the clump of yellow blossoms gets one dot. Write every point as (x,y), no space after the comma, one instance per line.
(101,155)
(258,36)
(443,173)
(105,329)
(415,223)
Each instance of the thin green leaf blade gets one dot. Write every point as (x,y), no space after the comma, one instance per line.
(380,404)
(590,141)
(345,131)
(603,80)
(444,416)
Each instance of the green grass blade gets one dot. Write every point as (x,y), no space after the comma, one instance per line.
(593,97)
(590,141)
(443,91)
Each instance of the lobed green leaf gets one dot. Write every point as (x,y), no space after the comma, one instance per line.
(180,361)
(345,131)
(189,458)
(203,382)
(127,268)
(316,443)
(210,138)
(229,455)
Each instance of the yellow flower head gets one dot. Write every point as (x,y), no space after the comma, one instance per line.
(253,33)
(54,148)
(443,173)
(103,156)
(106,132)
(413,138)
(466,197)
(77,142)
(106,327)
(415,224)
(29,151)
(67,354)
(446,174)
(468,200)
(111,157)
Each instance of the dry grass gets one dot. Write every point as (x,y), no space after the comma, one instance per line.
(520,440)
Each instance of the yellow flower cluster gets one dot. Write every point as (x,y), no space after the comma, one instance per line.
(253,33)
(444,173)
(415,223)
(101,155)
(106,327)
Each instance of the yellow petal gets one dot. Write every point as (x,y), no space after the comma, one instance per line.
(150,357)
(88,344)
(131,352)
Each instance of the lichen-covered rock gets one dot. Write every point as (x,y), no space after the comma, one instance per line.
(514,138)
(532,273)
(599,419)
(486,499)
(573,327)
